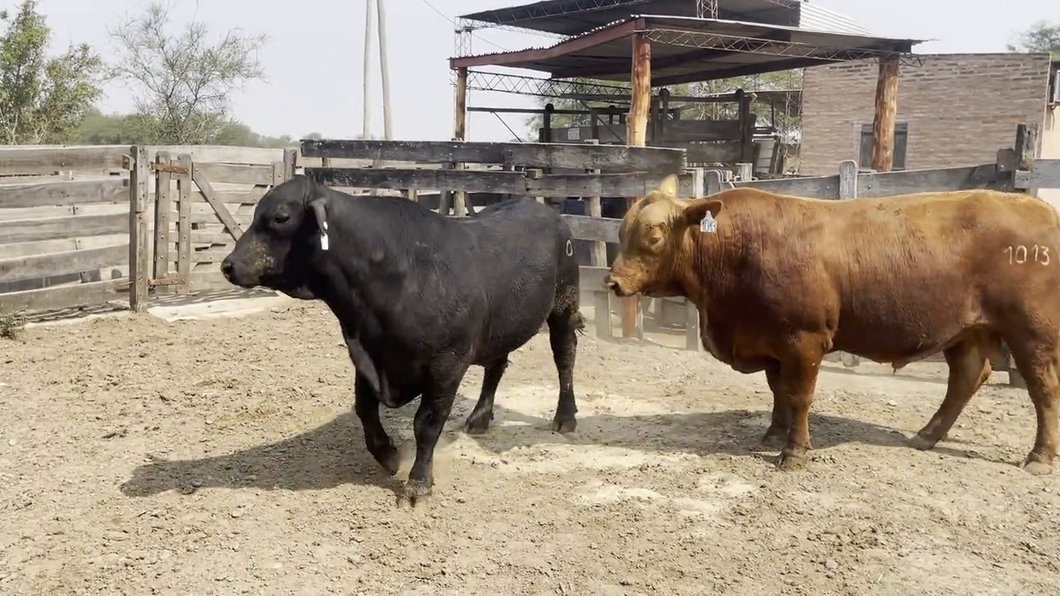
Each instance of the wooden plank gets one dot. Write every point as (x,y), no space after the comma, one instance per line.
(57,228)
(235,174)
(607,158)
(686,131)
(139,266)
(210,255)
(211,196)
(725,153)
(221,153)
(51,159)
(885,184)
(819,187)
(44,247)
(87,294)
(594,208)
(74,261)
(603,229)
(184,191)
(163,201)
(1046,174)
(64,192)
(848,180)
(516,183)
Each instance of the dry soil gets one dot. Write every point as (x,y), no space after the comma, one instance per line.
(222,457)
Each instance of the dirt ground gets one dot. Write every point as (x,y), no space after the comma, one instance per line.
(222,457)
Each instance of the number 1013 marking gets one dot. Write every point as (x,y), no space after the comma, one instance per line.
(1018,255)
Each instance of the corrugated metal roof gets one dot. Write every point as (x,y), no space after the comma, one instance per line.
(817,18)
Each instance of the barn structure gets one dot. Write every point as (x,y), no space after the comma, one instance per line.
(656,43)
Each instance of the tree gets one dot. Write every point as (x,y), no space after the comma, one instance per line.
(1042,37)
(183,82)
(42,100)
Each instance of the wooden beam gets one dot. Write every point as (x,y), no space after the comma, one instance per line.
(636,135)
(139,272)
(516,183)
(886,113)
(597,229)
(211,197)
(460,105)
(65,192)
(48,160)
(606,158)
(72,261)
(58,228)
(184,189)
(87,294)
(1046,174)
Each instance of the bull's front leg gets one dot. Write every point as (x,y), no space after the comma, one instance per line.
(780,421)
(431,416)
(366,404)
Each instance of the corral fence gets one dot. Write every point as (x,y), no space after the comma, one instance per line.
(85,226)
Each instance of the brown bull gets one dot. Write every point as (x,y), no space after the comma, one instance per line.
(780,281)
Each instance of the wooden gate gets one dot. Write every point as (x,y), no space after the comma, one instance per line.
(201,210)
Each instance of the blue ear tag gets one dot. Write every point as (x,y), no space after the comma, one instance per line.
(708,224)
(324,236)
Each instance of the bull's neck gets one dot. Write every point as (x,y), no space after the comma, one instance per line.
(699,265)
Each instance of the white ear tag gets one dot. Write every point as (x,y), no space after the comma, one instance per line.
(324,236)
(708,224)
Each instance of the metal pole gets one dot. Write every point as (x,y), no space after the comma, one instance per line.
(379,5)
(367,124)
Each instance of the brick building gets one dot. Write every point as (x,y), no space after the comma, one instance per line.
(956,109)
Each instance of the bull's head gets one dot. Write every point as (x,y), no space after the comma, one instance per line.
(656,242)
(289,228)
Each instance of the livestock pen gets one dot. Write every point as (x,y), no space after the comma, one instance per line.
(221,456)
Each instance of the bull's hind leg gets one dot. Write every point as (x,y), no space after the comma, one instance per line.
(479,420)
(780,422)
(563,327)
(969,366)
(366,404)
(1039,363)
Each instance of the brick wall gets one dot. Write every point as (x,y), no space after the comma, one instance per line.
(960,108)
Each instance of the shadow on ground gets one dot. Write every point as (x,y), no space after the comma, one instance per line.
(334,454)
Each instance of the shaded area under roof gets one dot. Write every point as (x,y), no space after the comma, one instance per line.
(687,50)
(574,17)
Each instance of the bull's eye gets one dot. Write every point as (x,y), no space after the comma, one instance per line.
(281,218)
(654,240)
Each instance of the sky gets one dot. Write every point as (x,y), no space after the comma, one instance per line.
(313,58)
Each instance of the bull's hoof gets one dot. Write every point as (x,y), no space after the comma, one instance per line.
(775,437)
(417,491)
(923,443)
(564,425)
(478,423)
(792,459)
(1035,466)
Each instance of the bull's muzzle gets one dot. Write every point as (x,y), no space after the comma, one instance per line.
(612,285)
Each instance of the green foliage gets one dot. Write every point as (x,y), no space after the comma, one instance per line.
(182,81)
(42,100)
(12,324)
(130,129)
(1041,37)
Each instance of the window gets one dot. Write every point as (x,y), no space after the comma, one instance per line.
(901,135)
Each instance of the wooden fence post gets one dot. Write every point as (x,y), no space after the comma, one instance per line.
(138,265)
(184,222)
(290,160)
(598,250)
(693,339)
(848,190)
(163,181)
(1020,158)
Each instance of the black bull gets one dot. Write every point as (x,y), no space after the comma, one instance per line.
(420,297)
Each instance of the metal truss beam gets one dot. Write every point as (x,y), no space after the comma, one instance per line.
(769,47)
(539,87)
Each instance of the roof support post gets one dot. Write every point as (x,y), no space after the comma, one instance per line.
(636,135)
(886,113)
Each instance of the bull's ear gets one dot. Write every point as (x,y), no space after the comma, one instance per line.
(668,186)
(694,213)
(319,207)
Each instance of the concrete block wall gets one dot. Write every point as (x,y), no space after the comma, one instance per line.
(960,108)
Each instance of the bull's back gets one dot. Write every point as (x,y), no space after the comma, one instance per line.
(910,273)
